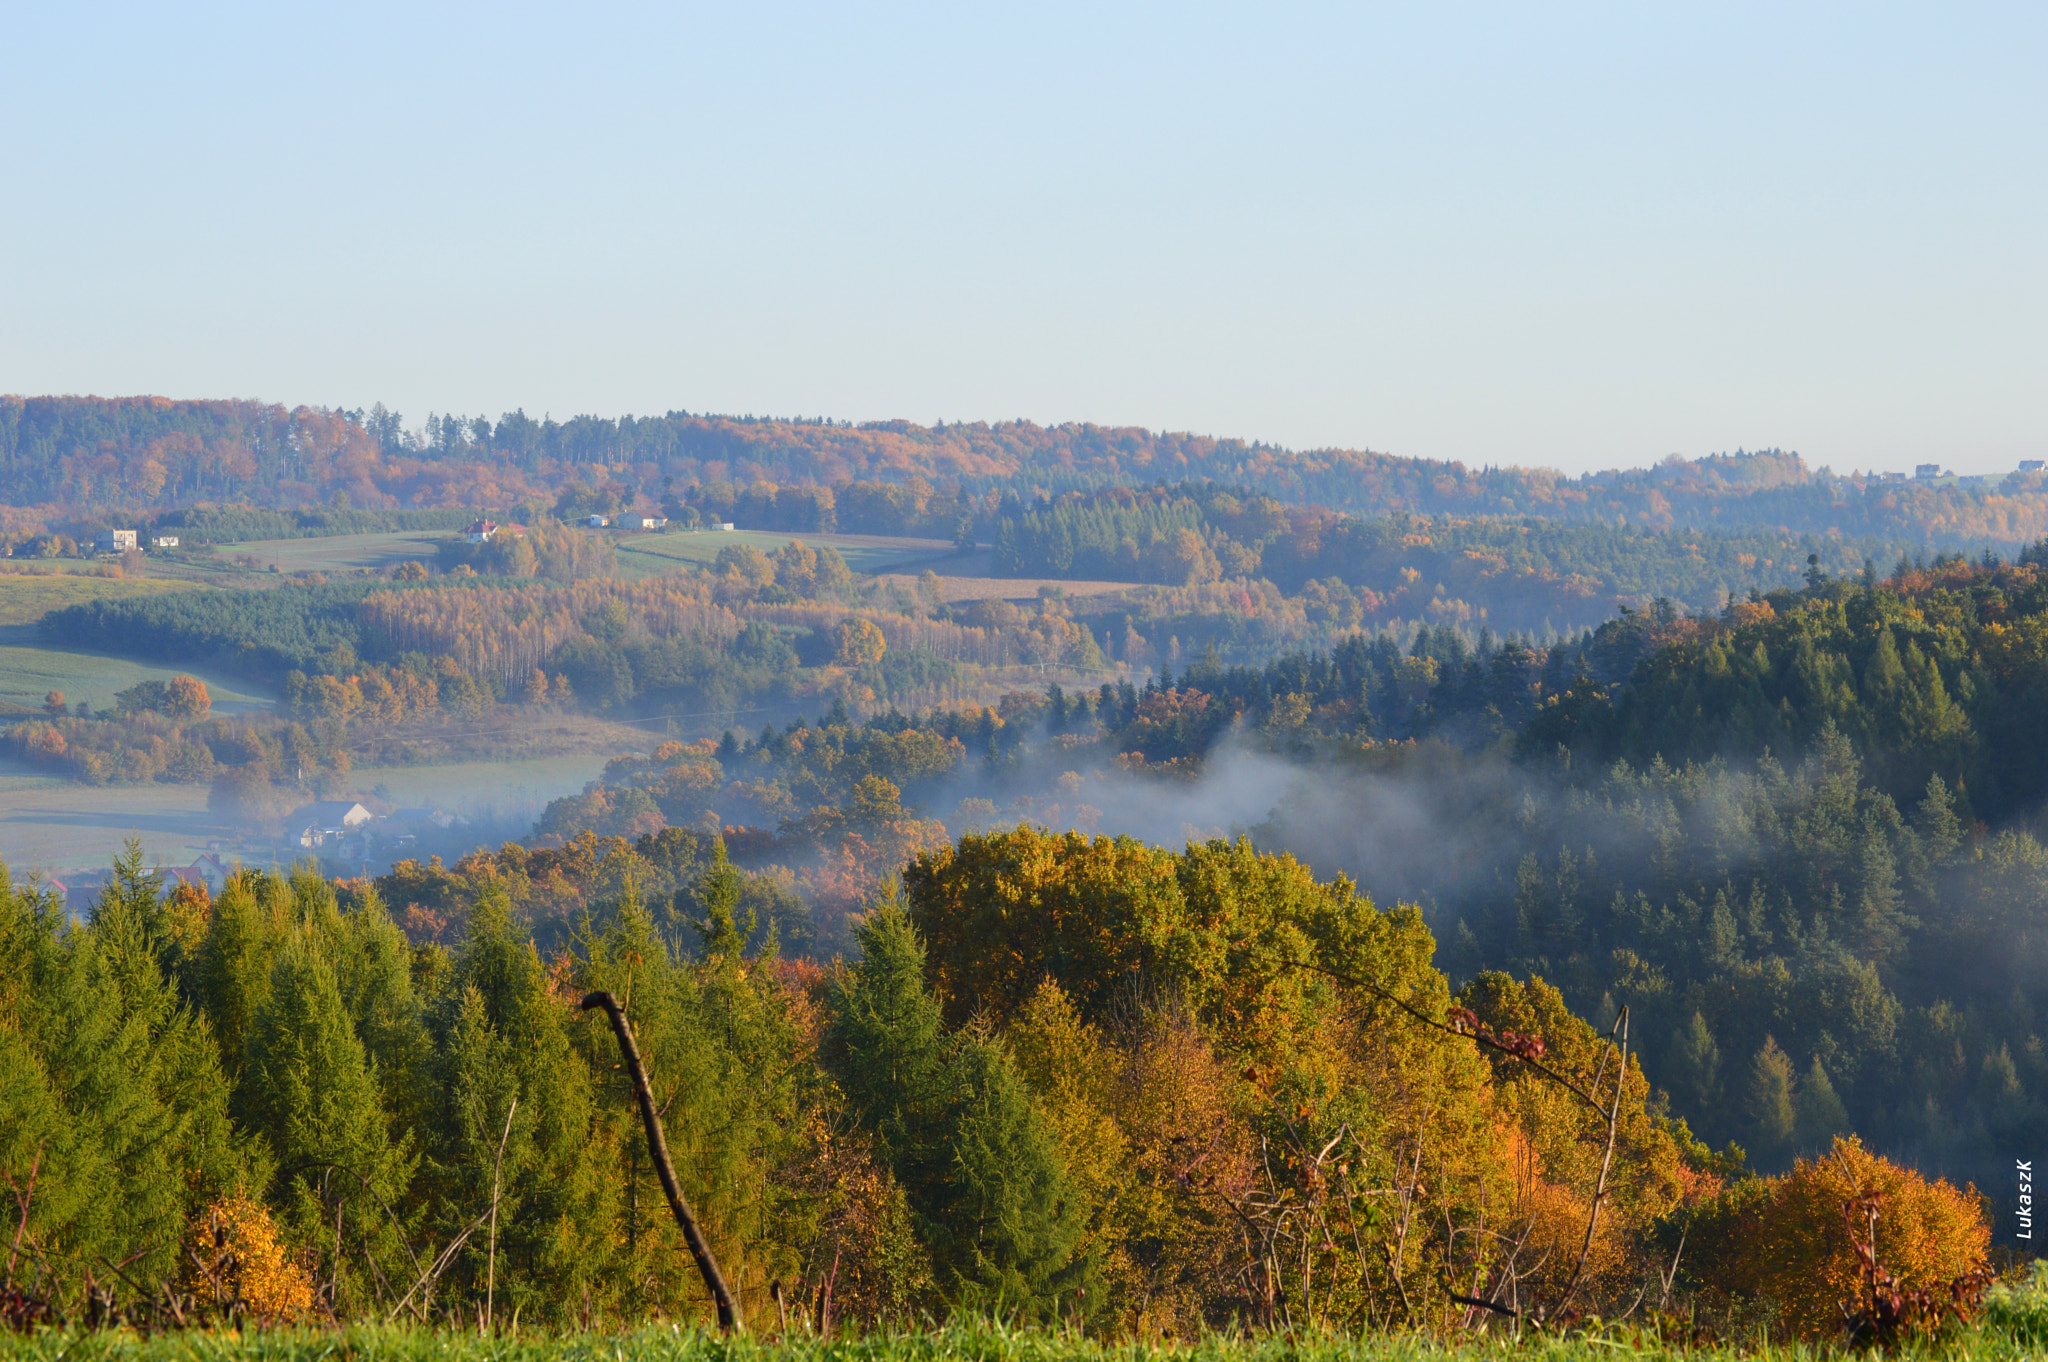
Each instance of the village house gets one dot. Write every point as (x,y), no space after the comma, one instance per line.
(597,522)
(164,541)
(324,821)
(480,531)
(114,541)
(207,871)
(645,522)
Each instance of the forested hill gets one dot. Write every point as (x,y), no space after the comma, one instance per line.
(134,453)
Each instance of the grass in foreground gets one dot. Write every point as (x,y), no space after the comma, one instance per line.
(953,1343)
(2014,1325)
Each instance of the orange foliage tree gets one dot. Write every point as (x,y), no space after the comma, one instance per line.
(1782,1242)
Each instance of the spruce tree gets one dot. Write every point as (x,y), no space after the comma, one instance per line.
(958,1128)
(1768,1101)
(111,1095)
(1820,1113)
(503,1034)
(312,1092)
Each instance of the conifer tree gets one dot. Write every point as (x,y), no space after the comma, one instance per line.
(235,965)
(1820,1113)
(113,1109)
(505,1035)
(1768,1101)
(312,1092)
(373,970)
(957,1126)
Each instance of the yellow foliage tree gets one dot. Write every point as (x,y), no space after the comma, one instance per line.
(235,1267)
(1784,1241)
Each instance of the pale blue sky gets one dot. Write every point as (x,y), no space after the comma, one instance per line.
(1582,235)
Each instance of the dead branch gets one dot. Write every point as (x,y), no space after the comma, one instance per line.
(657,1144)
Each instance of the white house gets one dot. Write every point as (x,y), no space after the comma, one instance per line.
(164,541)
(597,522)
(645,522)
(327,820)
(480,531)
(114,541)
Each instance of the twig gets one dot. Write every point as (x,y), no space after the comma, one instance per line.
(1618,1036)
(22,1199)
(491,1272)
(1479,1037)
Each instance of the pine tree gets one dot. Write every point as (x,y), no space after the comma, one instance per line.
(111,1096)
(504,1034)
(311,1091)
(1768,1102)
(958,1128)
(1820,1113)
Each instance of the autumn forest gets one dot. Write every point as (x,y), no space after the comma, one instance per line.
(1129,883)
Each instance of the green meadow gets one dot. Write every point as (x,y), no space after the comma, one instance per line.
(26,597)
(28,672)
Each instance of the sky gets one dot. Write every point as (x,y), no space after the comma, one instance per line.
(1584,236)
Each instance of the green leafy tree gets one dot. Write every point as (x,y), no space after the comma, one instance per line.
(1819,1113)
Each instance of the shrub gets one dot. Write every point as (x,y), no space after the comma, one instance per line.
(1783,1242)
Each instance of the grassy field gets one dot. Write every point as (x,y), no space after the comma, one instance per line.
(27,596)
(950,1344)
(337,552)
(50,824)
(862,552)
(958,589)
(499,789)
(29,671)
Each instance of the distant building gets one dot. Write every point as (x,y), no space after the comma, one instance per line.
(597,522)
(726,526)
(164,541)
(1895,477)
(644,522)
(114,541)
(480,531)
(2030,465)
(1926,470)
(325,821)
(206,871)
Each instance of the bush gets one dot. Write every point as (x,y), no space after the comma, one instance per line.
(1783,1242)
